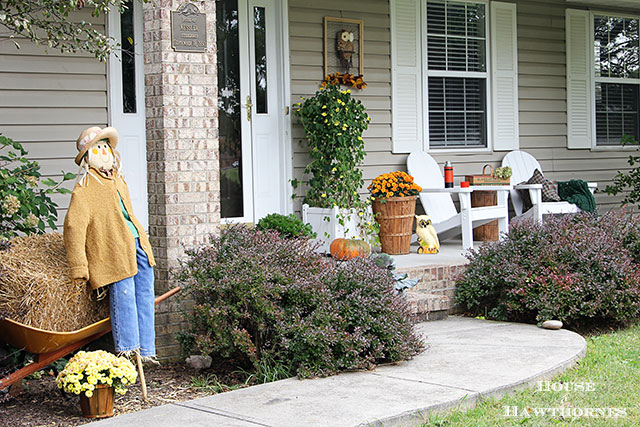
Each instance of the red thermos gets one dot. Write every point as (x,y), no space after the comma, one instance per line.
(448,175)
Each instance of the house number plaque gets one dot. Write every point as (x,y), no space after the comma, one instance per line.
(188,29)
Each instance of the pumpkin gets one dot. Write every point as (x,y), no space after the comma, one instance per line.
(344,249)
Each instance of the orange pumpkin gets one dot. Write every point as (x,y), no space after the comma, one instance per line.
(344,249)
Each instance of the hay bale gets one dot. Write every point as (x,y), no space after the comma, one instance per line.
(36,288)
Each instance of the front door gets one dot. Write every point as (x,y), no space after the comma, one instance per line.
(126,103)
(250,109)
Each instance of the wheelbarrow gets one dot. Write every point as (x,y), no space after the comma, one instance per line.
(49,346)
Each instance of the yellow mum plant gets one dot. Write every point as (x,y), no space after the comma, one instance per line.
(394,184)
(85,370)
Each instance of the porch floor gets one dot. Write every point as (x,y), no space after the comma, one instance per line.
(451,253)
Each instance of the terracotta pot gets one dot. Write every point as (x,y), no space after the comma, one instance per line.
(395,216)
(100,405)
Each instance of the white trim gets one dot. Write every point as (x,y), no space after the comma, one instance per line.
(245,125)
(468,74)
(286,122)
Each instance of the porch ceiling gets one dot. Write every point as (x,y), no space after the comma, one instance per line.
(619,4)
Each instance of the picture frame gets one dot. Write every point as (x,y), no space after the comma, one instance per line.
(332,61)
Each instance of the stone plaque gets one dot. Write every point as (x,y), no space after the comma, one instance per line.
(188,29)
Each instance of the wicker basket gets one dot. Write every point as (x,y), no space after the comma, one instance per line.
(486,179)
(395,216)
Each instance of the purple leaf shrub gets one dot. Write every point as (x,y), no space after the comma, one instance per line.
(263,299)
(581,269)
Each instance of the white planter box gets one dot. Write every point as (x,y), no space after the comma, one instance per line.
(326,224)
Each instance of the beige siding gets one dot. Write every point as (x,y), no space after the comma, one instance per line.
(47,98)
(542,94)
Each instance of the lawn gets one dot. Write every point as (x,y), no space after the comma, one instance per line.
(606,380)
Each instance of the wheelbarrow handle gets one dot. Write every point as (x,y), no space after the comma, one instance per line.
(167,295)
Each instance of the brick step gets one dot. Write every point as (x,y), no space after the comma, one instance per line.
(435,279)
(426,306)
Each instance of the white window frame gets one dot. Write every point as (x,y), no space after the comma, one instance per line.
(622,80)
(468,74)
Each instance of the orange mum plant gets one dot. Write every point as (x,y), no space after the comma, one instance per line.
(344,79)
(394,184)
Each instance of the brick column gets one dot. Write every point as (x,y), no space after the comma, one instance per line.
(182,152)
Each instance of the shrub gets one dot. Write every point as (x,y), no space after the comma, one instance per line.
(272,304)
(287,225)
(579,268)
(25,205)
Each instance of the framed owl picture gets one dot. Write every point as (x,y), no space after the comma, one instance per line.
(343,46)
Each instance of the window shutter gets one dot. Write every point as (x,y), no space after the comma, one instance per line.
(406,76)
(504,77)
(579,121)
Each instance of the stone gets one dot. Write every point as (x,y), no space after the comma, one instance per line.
(199,362)
(552,324)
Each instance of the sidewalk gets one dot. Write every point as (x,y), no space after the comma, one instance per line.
(466,359)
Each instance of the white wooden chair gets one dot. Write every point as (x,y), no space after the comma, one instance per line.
(438,203)
(523,165)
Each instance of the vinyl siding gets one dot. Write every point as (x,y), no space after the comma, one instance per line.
(47,98)
(541,80)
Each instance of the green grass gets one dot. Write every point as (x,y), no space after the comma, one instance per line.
(611,367)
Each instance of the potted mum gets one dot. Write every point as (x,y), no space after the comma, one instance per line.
(95,376)
(394,205)
(333,122)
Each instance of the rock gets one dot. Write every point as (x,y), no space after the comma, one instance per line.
(199,362)
(552,324)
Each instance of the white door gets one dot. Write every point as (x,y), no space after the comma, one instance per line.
(251,109)
(126,103)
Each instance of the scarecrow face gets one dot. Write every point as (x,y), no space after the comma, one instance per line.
(100,156)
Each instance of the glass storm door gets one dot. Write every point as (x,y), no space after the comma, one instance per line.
(126,103)
(249,109)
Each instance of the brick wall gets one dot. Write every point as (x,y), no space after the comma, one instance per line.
(182,152)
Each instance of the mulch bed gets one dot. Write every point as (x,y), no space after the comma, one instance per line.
(41,403)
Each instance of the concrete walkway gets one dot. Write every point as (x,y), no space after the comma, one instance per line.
(466,359)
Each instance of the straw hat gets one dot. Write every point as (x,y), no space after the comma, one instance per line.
(94,134)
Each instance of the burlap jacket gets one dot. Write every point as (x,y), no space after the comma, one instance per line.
(99,245)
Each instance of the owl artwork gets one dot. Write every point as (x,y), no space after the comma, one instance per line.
(427,236)
(345,48)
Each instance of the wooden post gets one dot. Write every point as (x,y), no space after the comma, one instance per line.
(143,382)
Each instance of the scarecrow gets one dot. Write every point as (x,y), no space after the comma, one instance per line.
(107,246)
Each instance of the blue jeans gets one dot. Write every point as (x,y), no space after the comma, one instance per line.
(132,309)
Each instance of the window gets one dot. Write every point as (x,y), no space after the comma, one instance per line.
(617,78)
(456,74)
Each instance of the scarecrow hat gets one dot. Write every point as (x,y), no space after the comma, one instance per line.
(94,134)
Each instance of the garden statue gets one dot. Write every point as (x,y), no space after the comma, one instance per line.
(427,235)
(107,246)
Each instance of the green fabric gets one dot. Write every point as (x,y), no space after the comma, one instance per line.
(127,219)
(577,192)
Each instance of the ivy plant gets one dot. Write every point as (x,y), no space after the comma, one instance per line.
(25,203)
(333,122)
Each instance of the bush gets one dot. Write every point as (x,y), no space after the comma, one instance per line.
(272,304)
(580,269)
(25,203)
(287,225)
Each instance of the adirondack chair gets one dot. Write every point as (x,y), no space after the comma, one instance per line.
(438,203)
(523,165)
